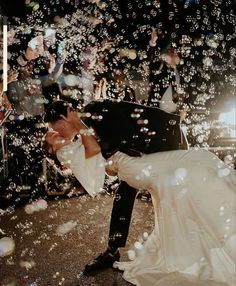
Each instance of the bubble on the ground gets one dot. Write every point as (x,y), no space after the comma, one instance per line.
(138,245)
(139,249)
(66,227)
(145,235)
(7,246)
(36,206)
(27,264)
(131,254)
(56,274)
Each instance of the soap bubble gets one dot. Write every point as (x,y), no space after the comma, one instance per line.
(7,246)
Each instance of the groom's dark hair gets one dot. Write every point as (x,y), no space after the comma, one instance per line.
(55,110)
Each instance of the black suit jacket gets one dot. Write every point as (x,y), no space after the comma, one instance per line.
(133,128)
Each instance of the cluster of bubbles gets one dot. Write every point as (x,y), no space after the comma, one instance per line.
(138,247)
(204,54)
(208,66)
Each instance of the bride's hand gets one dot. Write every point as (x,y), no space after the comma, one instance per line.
(110,172)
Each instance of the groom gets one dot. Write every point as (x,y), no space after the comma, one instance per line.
(127,127)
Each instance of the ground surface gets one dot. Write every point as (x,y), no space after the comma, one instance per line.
(43,257)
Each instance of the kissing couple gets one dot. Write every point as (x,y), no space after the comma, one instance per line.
(193,191)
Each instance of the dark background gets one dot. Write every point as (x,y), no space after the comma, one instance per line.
(196,19)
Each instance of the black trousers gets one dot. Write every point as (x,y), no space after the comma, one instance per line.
(121,215)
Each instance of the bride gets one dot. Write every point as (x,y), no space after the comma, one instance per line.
(193,194)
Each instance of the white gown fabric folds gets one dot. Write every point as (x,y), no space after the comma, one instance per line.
(193,194)
(194,239)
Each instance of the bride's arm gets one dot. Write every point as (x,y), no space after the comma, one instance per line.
(90,172)
(89,141)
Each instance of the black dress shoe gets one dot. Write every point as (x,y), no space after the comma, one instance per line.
(104,260)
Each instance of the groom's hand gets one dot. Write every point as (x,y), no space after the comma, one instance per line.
(73,118)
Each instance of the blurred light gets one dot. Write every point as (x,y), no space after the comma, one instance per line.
(228,117)
(233,133)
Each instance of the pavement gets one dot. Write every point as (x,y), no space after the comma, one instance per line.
(53,245)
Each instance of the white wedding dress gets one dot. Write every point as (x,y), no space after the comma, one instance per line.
(193,194)
(89,172)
